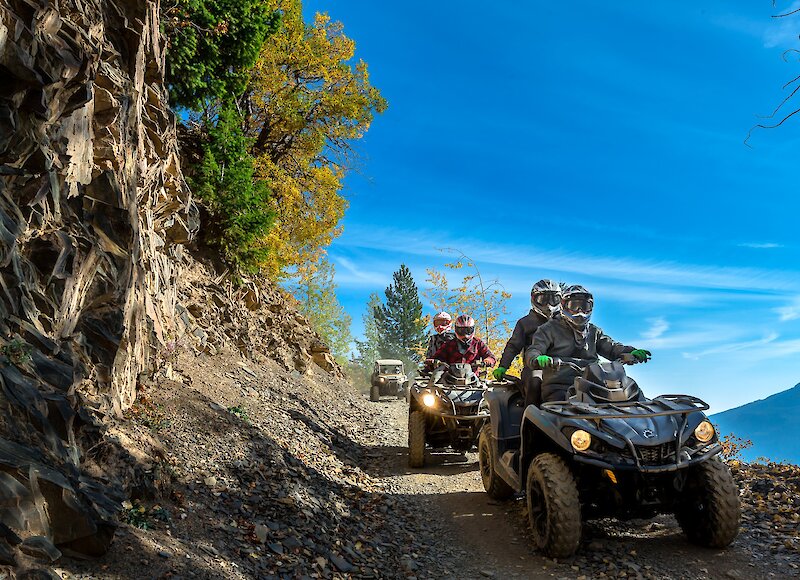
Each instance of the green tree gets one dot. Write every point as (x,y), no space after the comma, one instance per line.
(237,205)
(399,320)
(315,290)
(212,45)
(367,350)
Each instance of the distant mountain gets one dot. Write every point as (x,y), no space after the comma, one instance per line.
(772,424)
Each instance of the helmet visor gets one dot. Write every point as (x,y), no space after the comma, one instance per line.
(577,304)
(465,331)
(547,298)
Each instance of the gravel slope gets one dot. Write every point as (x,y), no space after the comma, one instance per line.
(278,475)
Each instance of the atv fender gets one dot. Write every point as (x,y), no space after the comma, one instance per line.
(505,409)
(541,433)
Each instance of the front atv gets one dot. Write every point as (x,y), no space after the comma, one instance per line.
(446,409)
(609,452)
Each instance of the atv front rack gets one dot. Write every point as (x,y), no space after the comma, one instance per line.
(669,404)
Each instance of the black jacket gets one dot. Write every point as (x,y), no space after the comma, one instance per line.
(521,337)
(437,340)
(556,338)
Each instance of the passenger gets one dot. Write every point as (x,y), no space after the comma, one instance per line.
(571,337)
(466,348)
(441,324)
(545,303)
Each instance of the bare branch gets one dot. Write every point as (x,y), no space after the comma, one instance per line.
(785,14)
(776,125)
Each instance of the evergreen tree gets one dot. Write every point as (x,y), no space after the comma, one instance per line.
(399,321)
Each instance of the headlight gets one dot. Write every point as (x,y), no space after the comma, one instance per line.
(704,432)
(580,440)
(428,400)
(381,380)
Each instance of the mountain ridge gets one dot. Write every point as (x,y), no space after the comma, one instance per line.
(765,423)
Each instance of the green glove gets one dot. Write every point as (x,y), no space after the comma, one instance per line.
(641,355)
(499,373)
(544,361)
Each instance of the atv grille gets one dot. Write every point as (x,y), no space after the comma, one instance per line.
(657,454)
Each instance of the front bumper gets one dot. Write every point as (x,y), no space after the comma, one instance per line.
(635,464)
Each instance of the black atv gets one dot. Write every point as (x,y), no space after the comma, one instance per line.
(608,451)
(446,409)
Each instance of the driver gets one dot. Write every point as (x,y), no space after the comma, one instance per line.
(466,348)
(545,302)
(441,324)
(571,337)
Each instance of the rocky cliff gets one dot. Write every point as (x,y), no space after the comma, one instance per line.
(93,214)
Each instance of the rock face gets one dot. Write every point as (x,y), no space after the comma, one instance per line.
(93,213)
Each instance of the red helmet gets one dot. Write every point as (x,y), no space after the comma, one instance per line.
(441,322)
(465,328)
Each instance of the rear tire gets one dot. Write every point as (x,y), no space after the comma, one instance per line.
(374,394)
(554,509)
(710,511)
(494,485)
(416,439)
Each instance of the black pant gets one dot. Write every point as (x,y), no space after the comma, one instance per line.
(530,387)
(554,392)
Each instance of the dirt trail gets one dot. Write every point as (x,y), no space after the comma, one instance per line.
(493,535)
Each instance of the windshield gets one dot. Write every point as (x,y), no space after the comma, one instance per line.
(391,370)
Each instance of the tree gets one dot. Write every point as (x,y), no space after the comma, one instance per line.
(315,290)
(399,320)
(484,300)
(211,45)
(305,105)
(367,350)
(237,206)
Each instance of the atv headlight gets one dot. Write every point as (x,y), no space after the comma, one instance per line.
(704,432)
(429,399)
(580,440)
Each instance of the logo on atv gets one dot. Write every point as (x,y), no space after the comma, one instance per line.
(647,434)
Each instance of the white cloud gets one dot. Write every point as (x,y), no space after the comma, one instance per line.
(658,326)
(355,276)
(790,311)
(575,264)
(761,246)
(749,345)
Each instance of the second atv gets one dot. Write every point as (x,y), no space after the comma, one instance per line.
(446,409)
(608,451)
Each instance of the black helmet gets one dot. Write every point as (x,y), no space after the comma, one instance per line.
(576,306)
(546,297)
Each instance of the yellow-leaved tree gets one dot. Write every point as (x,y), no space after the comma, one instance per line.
(306,103)
(484,300)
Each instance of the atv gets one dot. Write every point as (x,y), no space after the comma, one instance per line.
(446,409)
(608,451)
(388,378)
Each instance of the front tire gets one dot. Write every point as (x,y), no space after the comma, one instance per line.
(494,485)
(554,509)
(374,394)
(710,511)
(416,439)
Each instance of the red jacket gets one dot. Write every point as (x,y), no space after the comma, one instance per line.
(451,352)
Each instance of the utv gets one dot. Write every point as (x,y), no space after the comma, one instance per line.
(608,451)
(446,409)
(388,378)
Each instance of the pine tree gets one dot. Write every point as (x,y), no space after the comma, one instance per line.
(399,321)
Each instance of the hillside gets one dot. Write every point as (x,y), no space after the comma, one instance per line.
(766,423)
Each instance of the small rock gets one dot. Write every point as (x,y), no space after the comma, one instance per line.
(164,554)
(210,481)
(277,548)
(40,547)
(261,532)
(487,573)
(341,564)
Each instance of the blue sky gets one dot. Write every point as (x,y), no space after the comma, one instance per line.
(599,144)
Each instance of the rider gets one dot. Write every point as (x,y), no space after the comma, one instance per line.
(441,324)
(545,302)
(466,348)
(571,337)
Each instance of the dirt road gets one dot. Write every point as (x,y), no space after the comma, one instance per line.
(485,538)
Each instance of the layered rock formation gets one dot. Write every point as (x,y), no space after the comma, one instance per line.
(93,212)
